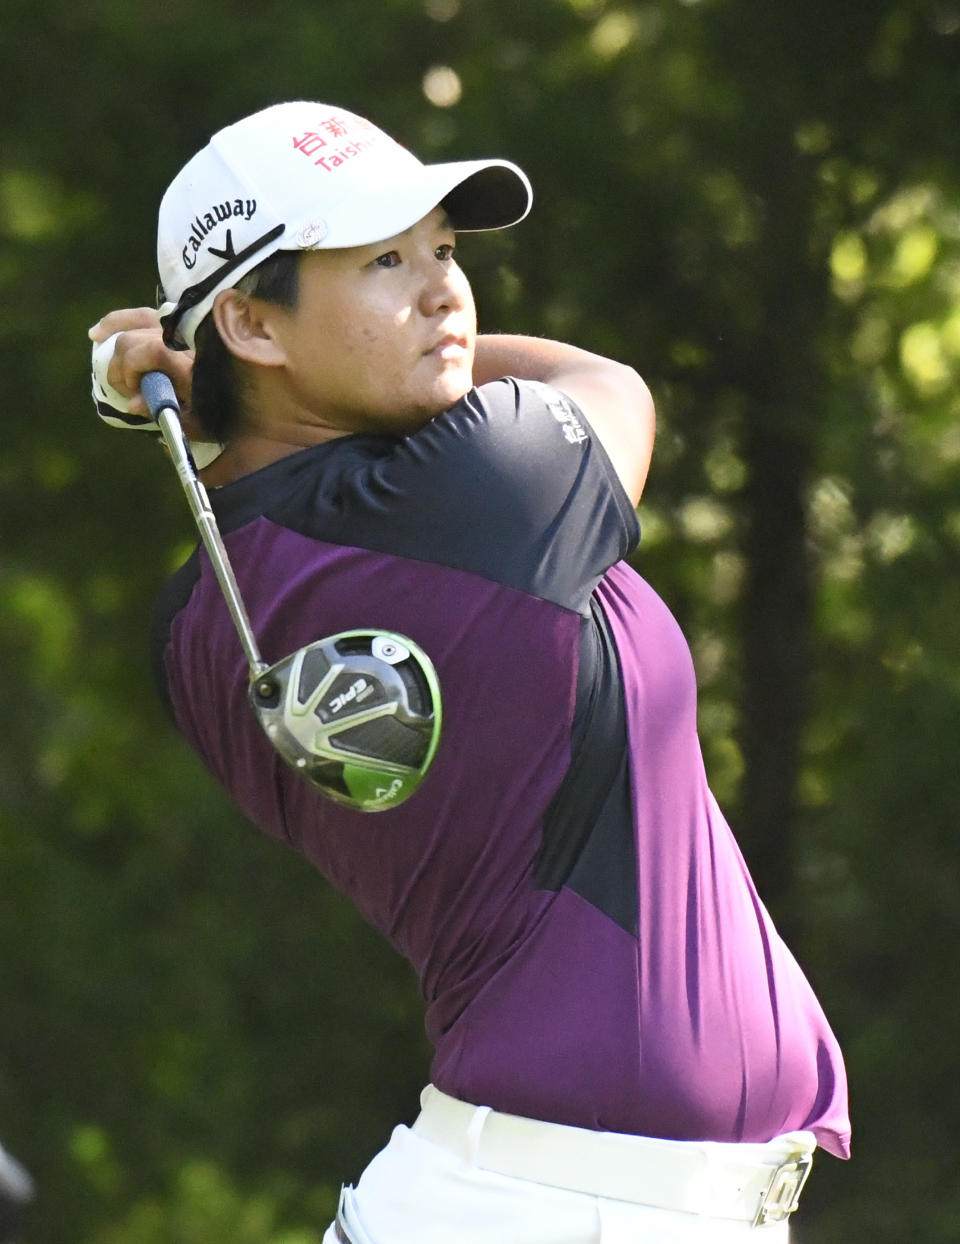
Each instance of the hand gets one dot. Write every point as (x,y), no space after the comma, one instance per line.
(138,348)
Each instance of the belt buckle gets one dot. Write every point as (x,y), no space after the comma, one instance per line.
(782,1195)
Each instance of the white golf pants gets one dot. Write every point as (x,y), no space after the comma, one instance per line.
(441,1191)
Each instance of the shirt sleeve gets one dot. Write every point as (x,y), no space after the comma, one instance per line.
(511,483)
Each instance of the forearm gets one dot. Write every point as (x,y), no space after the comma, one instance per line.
(528,358)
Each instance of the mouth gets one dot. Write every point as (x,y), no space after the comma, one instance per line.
(449,346)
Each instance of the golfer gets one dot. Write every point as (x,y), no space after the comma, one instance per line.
(624,1049)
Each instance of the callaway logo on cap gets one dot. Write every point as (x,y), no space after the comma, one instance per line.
(307,176)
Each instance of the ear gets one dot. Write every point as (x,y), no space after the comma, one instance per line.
(246,327)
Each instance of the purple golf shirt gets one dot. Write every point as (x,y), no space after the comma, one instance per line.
(590,946)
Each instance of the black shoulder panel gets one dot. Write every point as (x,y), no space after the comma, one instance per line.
(588,842)
(510,484)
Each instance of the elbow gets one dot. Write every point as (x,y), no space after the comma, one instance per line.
(639,399)
(640,431)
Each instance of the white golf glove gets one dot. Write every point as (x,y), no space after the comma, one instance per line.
(114,409)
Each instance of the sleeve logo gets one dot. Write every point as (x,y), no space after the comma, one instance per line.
(573,430)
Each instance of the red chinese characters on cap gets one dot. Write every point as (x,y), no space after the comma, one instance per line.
(322,141)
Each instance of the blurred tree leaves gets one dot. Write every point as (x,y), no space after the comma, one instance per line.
(754,203)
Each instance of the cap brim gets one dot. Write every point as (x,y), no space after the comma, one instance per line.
(494,196)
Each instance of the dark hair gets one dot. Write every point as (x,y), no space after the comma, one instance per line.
(217,387)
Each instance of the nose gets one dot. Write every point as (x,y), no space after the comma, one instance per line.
(445,288)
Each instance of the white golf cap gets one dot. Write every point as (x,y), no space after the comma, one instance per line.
(307,176)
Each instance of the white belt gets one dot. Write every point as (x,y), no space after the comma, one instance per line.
(756,1183)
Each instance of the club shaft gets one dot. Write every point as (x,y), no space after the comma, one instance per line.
(206,522)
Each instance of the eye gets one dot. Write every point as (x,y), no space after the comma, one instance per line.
(444,252)
(388,260)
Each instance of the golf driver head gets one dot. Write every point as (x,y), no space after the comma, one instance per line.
(356,714)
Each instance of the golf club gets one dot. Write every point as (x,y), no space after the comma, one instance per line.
(358,713)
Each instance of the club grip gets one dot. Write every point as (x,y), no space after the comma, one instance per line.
(158,393)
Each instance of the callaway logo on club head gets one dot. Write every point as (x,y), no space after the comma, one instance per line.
(202,225)
(387,792)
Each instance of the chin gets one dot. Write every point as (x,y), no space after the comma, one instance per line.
(453,389)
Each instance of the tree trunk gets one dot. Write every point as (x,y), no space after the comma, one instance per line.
(784,382)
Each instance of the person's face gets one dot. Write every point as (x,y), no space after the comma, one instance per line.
(383,336)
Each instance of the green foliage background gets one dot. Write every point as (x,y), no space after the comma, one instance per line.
(756,203)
